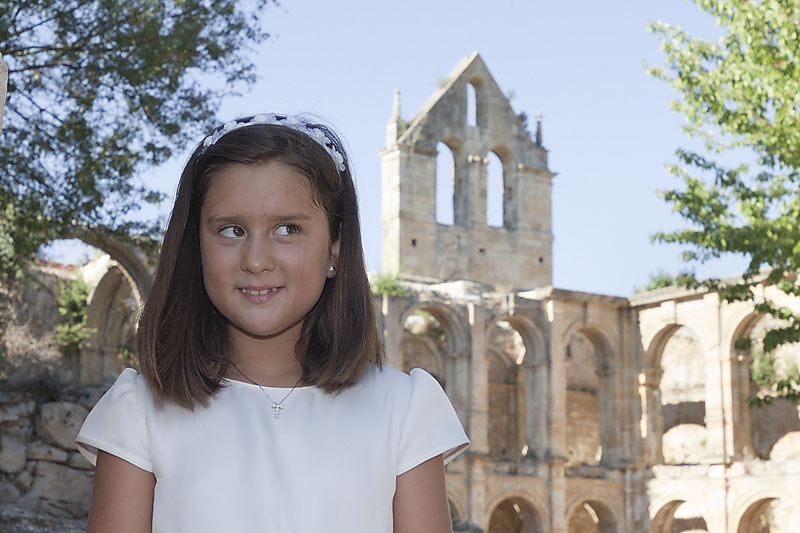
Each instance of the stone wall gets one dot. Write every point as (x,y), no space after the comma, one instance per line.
(40,469)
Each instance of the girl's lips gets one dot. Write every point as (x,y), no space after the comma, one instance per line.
(258,295)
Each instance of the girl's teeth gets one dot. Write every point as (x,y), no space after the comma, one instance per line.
(254,292)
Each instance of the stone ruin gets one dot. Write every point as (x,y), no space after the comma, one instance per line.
(587,412)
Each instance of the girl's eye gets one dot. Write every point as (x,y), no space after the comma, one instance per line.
(231,231)
(284,230)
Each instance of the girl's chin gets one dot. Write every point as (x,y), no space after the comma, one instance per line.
(259,332)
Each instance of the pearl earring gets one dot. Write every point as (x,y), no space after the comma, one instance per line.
(332,269)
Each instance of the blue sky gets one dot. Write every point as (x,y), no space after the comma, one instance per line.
(607,125)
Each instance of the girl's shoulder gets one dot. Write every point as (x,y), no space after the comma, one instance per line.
(427,423)
(388,379)
(130,387)
(117,423)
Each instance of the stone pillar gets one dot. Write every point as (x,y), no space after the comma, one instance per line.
(637,516)
(610,415)
(457,372)
(3,87)
(478,423)
(557,415)
(392,310)
(536,391)
(652,422)
(477,491)
(479,383)
(719,407)
(557,430)
(557,485)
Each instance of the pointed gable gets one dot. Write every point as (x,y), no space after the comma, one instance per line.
(444,115)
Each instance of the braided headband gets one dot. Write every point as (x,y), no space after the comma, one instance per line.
(291,122)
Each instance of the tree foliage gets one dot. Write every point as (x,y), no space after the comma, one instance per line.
(99,91)
(73,301)
(741,96)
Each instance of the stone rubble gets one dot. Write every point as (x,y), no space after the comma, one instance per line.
(45,483)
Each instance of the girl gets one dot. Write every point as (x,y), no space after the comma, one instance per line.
(262,403)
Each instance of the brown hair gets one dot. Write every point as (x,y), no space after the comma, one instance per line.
(182,339)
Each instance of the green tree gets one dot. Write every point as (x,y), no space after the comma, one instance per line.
(99,91)
(73,301)
(741,96)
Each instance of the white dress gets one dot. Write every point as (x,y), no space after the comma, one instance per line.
(328,464)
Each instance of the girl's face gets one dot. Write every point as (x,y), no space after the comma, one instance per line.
(266,248)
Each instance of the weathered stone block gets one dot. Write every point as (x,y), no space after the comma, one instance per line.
(40,450)
(23,481)
(58,423)
(16,411)
(76,460)
(59,490)
(12,454)
(8,492)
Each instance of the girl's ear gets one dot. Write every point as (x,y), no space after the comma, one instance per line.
(334,261)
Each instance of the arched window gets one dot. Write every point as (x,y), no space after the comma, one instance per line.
(683,394)
(494,191)
(472,105)
(445,184)
(583,407)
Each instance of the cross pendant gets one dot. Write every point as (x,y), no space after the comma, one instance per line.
(277,407)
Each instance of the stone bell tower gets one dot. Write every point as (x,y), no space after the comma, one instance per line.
(517,254)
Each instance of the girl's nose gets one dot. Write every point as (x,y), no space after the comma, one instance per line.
(257,257)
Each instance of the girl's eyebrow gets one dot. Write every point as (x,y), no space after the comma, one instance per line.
(218,219)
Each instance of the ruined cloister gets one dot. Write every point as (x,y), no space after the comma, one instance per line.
(587,413)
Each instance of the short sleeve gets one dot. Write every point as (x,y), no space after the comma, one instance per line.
(431,426)
(117,424)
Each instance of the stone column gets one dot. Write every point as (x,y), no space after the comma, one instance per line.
(392,309)
(478,424)
(479,383)
(718,387)
(536,390)
(652,423)
(557,431)
(3,87)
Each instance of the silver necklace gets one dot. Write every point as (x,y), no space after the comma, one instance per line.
(276,406)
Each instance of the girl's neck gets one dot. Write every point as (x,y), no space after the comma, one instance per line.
(270,362)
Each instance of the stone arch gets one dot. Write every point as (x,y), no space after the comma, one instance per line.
(602,337)
(495,198)
(510,195)
(668,519)
(481,111)
(591,516)
(531,366)
(459,511)
(456,329)
(591,396)
(505,408)
(133,259)
(420,351)
(445,181)
(674,418)
(532,337)
(111,313)
(739,326)
(471,119)
(514,511)
(761,427)
(454,351)
(758,516)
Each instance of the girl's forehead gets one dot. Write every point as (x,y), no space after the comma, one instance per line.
(268,186)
